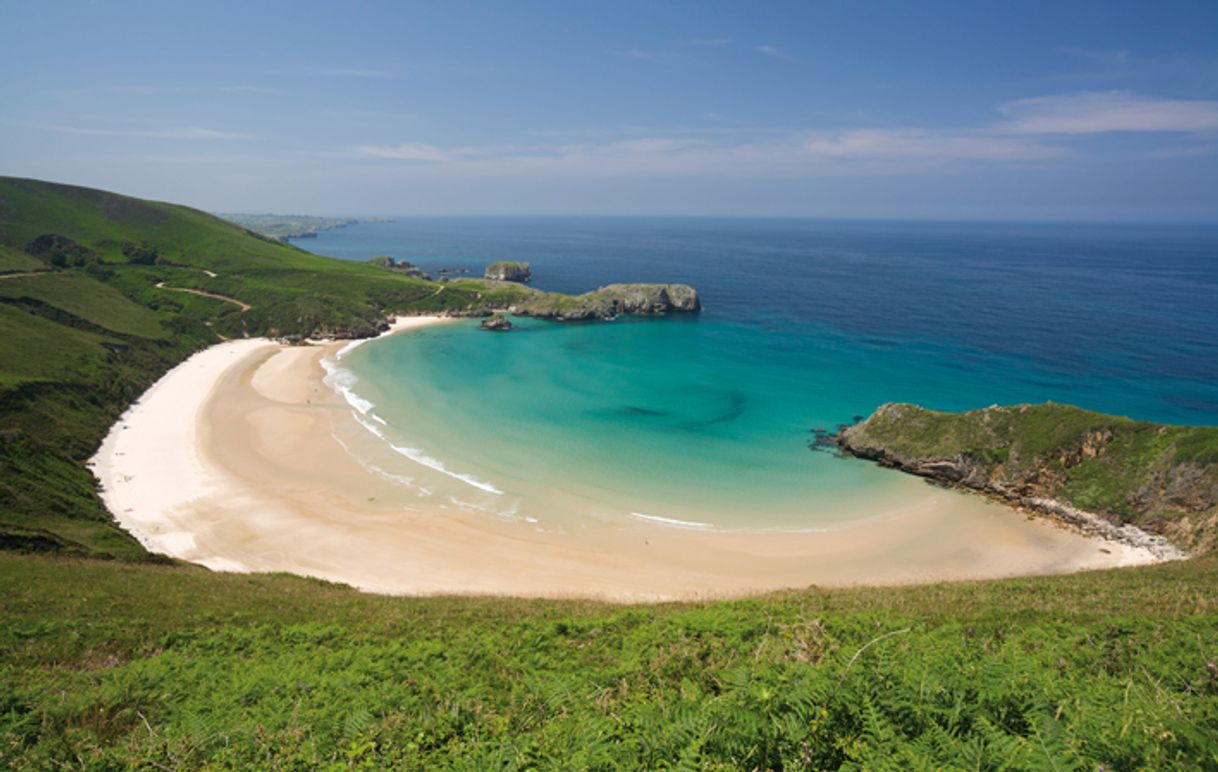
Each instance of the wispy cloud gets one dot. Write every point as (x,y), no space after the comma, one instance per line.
(356,72)
(246,89)
(1031,131)
(1097,112)
(178,132)
(871,144)
(773,52)
(658,144)
(1091,55)
(409,151)
(655,57)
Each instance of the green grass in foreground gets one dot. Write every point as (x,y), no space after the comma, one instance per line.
(110,665)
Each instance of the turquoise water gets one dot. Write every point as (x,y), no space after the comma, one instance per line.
(706,420)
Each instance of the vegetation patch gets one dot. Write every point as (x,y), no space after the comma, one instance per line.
(115,665)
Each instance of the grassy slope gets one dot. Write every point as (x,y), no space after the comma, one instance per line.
(113,664)
(16,261)
(1162,477)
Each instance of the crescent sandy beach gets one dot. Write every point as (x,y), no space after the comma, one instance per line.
(233,460)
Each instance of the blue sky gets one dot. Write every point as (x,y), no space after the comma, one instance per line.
(837,108)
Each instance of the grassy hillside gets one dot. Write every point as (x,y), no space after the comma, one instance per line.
(110,665)
(1161,478)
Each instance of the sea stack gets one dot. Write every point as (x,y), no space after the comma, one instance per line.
(496,323)
(508,271)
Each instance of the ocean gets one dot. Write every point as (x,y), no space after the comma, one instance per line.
(705,421)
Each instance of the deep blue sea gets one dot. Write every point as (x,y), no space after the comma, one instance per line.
(806,324)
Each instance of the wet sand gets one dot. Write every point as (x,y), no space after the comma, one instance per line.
(232,461)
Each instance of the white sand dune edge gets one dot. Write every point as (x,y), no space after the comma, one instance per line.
(149,464)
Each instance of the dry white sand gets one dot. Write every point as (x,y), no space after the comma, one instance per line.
(231,461)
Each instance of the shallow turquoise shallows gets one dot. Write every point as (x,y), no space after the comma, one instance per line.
(699,422)
(807,325)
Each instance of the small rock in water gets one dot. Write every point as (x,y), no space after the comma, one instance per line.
(498,322)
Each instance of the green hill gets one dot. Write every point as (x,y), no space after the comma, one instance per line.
(112,659)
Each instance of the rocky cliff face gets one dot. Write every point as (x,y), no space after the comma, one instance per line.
(1105,474)
(614,300)
(508,271)
(497,323)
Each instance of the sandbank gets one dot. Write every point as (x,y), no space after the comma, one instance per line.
(232,461)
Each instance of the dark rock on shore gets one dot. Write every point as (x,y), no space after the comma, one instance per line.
(497,322)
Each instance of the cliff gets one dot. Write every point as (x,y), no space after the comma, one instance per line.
(1099,472)
(608,302)
(508,271)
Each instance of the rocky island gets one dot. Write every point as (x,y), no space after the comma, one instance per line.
(1134,481)
(483,297)
(508,271)
(496,323)
(609,302)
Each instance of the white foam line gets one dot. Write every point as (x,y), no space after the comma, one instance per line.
(671,521)
(419,457)
(341,380)
(347,349)
(362,406)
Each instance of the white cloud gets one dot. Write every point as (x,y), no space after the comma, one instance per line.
(244,89)
(927,145)
(410,151)
(181,132)
(355,72)
(1103,57)
(773,52)
(655,144)
(1035,130)
(1096,112)
(656,57)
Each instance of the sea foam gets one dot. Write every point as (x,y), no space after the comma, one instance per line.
(342,381)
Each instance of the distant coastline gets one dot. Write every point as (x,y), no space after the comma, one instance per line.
(283,227)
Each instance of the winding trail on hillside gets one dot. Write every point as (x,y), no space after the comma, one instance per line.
(204,293)
(22,274)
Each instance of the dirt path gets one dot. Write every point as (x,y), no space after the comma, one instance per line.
(23,273)
(206,294)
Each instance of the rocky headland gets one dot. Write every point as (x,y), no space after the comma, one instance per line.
(400,266)
(609,302)
(1140,483)
(508,271)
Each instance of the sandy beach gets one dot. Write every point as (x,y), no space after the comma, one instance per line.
(233,461)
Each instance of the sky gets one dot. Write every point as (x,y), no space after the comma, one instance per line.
(978,109)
